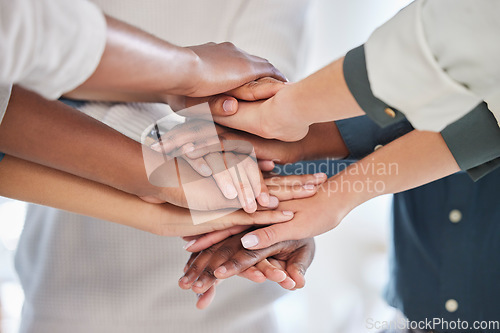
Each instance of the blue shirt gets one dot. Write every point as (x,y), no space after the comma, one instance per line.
(445,239)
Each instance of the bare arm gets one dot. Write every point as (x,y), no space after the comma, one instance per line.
(410,161)
(34,183)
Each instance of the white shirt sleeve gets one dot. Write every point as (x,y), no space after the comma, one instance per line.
(5,90)
(436,60)
(50,46)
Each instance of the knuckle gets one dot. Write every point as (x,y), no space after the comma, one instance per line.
(208,272)
(225,252)
(269,234)
(252,255)
(236,264)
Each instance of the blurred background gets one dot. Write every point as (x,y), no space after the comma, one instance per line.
(345,281)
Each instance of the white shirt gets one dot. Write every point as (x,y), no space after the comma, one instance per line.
(49,46)
(437,59)
(83,275)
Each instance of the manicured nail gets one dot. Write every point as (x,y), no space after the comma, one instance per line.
(184,280)
(220,271)
(229,106)
(189,244)
(198,284)
(205,170)
(231,192)
(249,241)
(264,198)
(308,187)
(282,274)
(273,202)
(287,213)
(189,149)
(320,175)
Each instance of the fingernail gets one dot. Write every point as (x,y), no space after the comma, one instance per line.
(184,280)
(198,284)
(264,198)
(283,274)
(221,270)
(308,187)
(320,175)
(205,170)
(231,192)
(249,241)
(189,149)
(273,202)
(287,213)
(189,244)
(228,106)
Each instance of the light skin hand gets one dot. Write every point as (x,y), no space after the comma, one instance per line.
(285,188)
(321,97)
(402,169)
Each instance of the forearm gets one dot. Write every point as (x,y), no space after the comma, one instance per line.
(323,141)
(151,68)
(26,181)
(415,159)
(55,135)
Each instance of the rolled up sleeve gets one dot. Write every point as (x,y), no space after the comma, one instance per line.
(474,141)
(50,46)
(420,61)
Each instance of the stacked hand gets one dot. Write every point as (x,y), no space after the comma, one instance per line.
(284,263)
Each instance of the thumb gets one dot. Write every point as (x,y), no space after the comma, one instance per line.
(220,105)
(265,237)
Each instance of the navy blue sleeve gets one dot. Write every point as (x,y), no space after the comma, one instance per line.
(362,135)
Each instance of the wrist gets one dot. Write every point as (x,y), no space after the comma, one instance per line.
(191,69)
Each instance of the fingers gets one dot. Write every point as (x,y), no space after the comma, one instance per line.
(200,166)
(221,175)
(263,88)
(183,134)
(270,271)
(266,165)
(253,274)
(196,244)
(263,217)
(284,193)
(246,195)
(205,299)
(259,187)
(220,105)
(265,237)
(297,180)
(287,282)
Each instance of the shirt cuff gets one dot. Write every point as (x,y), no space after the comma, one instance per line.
(362,136)
(356,77)
(404,73)
(474,141)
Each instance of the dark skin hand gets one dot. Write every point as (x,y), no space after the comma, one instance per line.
(285,263)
